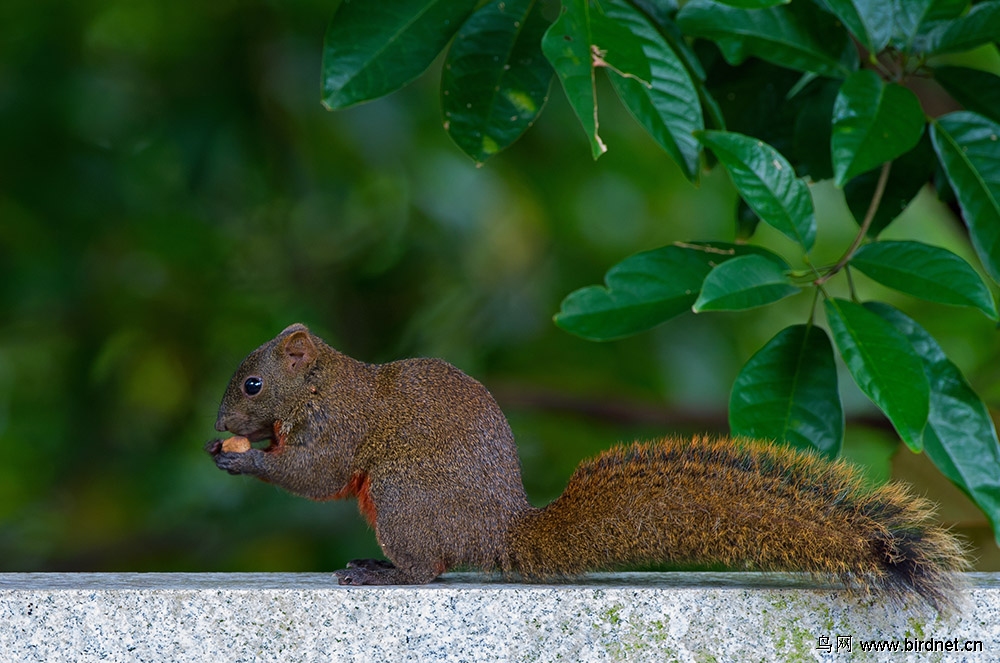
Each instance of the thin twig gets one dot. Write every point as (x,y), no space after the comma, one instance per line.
(865,225)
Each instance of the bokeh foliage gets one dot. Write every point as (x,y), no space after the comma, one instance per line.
(172,194)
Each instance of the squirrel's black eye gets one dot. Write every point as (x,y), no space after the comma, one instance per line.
(252,385)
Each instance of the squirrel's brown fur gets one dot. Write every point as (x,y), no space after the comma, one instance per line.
(741,504)
(432,461)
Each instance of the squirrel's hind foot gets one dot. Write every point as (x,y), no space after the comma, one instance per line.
(380,572)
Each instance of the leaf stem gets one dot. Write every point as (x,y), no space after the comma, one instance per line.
(812,312)
(850,285)
(883,177)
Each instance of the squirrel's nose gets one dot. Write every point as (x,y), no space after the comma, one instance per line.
(220,424)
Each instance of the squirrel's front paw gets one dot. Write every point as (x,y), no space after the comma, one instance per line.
(237,462)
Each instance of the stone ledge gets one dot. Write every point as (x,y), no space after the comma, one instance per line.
(51,617)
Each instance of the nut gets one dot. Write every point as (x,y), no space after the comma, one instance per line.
(237,444)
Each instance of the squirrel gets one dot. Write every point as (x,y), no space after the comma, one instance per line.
(431,459)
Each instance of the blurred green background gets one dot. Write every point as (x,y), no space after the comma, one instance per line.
(172,195)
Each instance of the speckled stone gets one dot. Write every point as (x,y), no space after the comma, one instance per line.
(469,617)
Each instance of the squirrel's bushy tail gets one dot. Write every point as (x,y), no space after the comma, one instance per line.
(744,505)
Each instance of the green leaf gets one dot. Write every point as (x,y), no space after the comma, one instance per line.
(661,14)
(908,175)
(978,91)
(374,48)
(960,437)
(762,111)
(495,79)
(980,26)
(746,220)
(883,365)
(646,289)
(742,283)
(968,147)
(613,44)
(640,292)
(925,271)
(666,103)
(798,35)
(914,18)
(871,23)
(754,4)
(567,45)
(767,182)
(812,130)
(788,392)
(873,122)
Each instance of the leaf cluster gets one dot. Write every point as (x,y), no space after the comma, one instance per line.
(781,95)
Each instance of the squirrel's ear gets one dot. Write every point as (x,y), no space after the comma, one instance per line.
(298,348)
(298,326)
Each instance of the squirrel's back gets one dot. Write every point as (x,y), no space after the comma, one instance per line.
(743,505)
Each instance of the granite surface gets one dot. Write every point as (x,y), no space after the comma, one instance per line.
(469,617)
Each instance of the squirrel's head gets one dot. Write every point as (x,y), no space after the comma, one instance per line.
(269,385)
